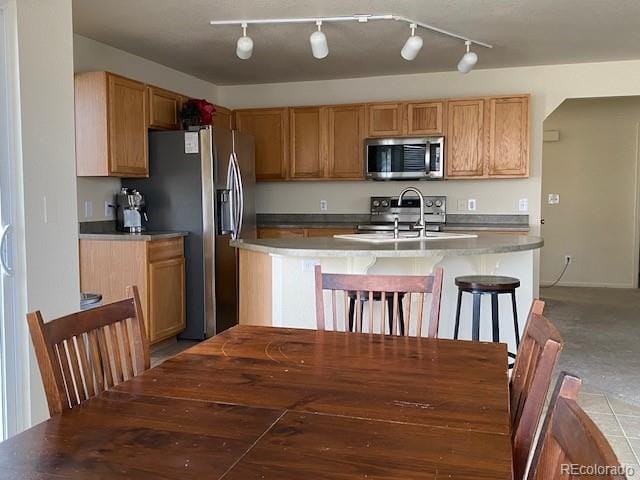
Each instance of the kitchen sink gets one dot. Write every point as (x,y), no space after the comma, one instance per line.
(387,237)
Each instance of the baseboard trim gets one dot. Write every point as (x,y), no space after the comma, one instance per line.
(588,284)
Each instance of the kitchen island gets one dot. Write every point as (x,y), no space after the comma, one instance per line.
(277,280)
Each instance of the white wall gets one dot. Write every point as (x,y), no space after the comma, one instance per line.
(548,85)
(594,169)
(47,168)
(89,55)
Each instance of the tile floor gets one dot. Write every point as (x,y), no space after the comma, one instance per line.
(171,350)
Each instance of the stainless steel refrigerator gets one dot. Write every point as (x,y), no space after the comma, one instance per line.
(203,183)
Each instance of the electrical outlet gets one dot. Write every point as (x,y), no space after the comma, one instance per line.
(472,204)
(108,209)
(568,259)
(523,204)
(88,209)
(553,199)
(324,205)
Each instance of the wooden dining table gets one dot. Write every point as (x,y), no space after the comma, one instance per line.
(275,403)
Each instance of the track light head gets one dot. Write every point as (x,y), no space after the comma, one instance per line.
(244,45)
(468,60)
(318,41)
(412,46)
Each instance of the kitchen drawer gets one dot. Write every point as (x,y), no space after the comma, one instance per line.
(158,250)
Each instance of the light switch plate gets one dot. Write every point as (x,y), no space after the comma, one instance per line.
(108,209)
(472,204)
(324,205)
(523,205)
(554,199)
(88,209)
(462,205)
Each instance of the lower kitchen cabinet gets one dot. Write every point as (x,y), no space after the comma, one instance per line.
(156,267)
(302,232)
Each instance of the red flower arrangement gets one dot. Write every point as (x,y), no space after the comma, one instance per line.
(197,112)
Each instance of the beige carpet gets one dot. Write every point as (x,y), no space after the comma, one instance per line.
(601,329)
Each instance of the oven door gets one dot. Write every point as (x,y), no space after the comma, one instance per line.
(404,158)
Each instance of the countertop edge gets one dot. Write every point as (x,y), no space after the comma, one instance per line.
(131,237)
(536,243)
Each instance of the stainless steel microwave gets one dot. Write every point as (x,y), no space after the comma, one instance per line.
(404,158)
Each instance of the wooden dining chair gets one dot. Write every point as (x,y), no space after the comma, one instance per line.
(536,358)
(370,287)
(569,439)
(84,353)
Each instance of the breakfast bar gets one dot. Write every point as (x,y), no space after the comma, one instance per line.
(277,279)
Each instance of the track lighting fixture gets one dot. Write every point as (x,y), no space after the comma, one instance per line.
(320,47)
(412,46)
(318,41)
(244,46)
(468,60)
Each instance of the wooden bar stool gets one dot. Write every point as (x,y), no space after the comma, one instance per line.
(494,285)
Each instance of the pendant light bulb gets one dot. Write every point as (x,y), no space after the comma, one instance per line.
(412,46)
(244,46)
(468,60)
(318,41)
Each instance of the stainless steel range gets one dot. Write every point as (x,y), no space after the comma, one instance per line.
(384,211)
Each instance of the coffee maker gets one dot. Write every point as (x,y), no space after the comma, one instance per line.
(131,214)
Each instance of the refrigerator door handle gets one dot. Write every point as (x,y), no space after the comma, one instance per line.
(232,199)
(240,203)
(4,236)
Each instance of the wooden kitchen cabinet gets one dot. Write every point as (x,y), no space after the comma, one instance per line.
(508,143)
(156,267)
(281,233)
(111,126)
(346,131)
(307,137)
(424,118)
(270,128)
(275,232)
(465,138)
(223,117)
(164,108)
(385,119)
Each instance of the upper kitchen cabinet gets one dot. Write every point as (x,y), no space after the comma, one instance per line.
(111,126)
(307,151)
(223,117)
(465,138)
(270,128)
(345,136)
(164,109)
(508,142)
(386,119)
(424,118)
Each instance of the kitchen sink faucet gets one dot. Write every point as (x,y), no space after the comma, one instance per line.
(420,223)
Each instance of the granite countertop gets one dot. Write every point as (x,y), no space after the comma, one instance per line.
(142,237)
(484,243)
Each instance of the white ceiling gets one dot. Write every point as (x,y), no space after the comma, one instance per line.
(177,33)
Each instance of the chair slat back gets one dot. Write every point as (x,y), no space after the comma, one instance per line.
(569,439)
(84,353)
(399,291)
(536,358)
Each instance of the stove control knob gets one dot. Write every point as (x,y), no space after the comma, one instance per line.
(429,203)
(385,203)
(438,203)
(376,203)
